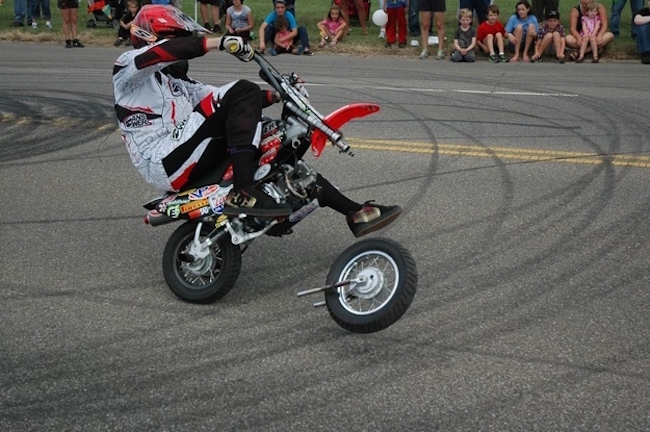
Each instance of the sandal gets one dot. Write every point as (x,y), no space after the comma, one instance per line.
(595,59)
(573,56)
(333,43)
(321,44)
(580,59)
(535,58)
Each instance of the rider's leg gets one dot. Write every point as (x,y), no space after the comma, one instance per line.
(362,218)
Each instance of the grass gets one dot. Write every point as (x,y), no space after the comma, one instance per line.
(309,12)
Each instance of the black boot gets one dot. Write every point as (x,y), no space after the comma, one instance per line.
(246,199)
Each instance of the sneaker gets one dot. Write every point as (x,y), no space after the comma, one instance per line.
(308,52)
(34,26)
(382,34)
(48,24)
(387,45)
(415,42)
(559,60)
(493,58)
(254,203)
(401,45)
(300,50)
(118,42)
(216,28)
(440,55)
(207,25)
(372,217)
(273,52)
(77,44)
(68,43)
(424,54)
(18,24)
(502,58)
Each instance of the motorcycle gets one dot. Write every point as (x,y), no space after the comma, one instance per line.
(369,286)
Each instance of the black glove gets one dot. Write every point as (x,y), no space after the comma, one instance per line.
(236,46)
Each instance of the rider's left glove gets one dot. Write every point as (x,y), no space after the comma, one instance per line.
(236,46)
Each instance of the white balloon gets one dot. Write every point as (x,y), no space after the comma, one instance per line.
(380,18)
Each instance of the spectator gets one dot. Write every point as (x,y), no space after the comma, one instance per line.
(492,31)
(69,17)
(124,32)
(213,6)
(37,7)
(291,6)
(521,29)
(299,34)
(20,13)
(332,28)
(239,20)
(480,7)
(283,41)
(552,32)
(414,24)
(361,13)
(427,8)
(574,40)
(642,21)
(617,10)
(590,27)
(464,38)
(396,10)
(541,8)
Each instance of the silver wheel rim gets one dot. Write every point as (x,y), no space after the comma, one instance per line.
(203,271)
(379,277)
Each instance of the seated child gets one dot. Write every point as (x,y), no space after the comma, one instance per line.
(333,27)
(124,32)
(464,38)
(490,32)
(283,42)
(551,31)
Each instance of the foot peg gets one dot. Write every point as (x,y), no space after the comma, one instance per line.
(360,279)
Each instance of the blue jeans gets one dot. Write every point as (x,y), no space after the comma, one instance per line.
(643,39)
(20,10)
(43,5)
(617,9)
(414,19)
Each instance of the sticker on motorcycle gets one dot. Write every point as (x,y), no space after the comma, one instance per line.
(303,211)
(218,199)
(262,172)
(193,205)
(203,192)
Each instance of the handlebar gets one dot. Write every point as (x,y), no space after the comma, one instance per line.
(296,103)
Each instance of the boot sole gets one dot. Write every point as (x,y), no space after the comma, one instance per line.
(378,223)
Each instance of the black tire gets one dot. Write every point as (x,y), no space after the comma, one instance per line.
(392,279)
(211,279)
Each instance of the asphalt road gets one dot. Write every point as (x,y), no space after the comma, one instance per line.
(526,207)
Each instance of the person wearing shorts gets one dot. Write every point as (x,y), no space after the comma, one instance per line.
(438,9)
(69,17)
(215,7)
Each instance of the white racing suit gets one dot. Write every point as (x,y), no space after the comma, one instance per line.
(168,120)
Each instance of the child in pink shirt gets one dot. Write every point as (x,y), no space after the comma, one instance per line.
(332,28)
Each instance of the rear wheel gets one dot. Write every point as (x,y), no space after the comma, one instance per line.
(204,280)
(384,283)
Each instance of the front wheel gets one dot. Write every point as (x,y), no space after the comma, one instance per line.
(384,279)
(204,280)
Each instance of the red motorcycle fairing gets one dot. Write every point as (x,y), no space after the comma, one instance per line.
(337,119)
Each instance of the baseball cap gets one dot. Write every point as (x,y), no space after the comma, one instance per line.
(552,14)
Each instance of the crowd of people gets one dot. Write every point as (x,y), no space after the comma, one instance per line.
(530,34)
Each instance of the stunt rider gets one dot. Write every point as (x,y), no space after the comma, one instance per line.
(176,128)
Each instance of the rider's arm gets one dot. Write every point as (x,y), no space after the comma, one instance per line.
(172,50)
